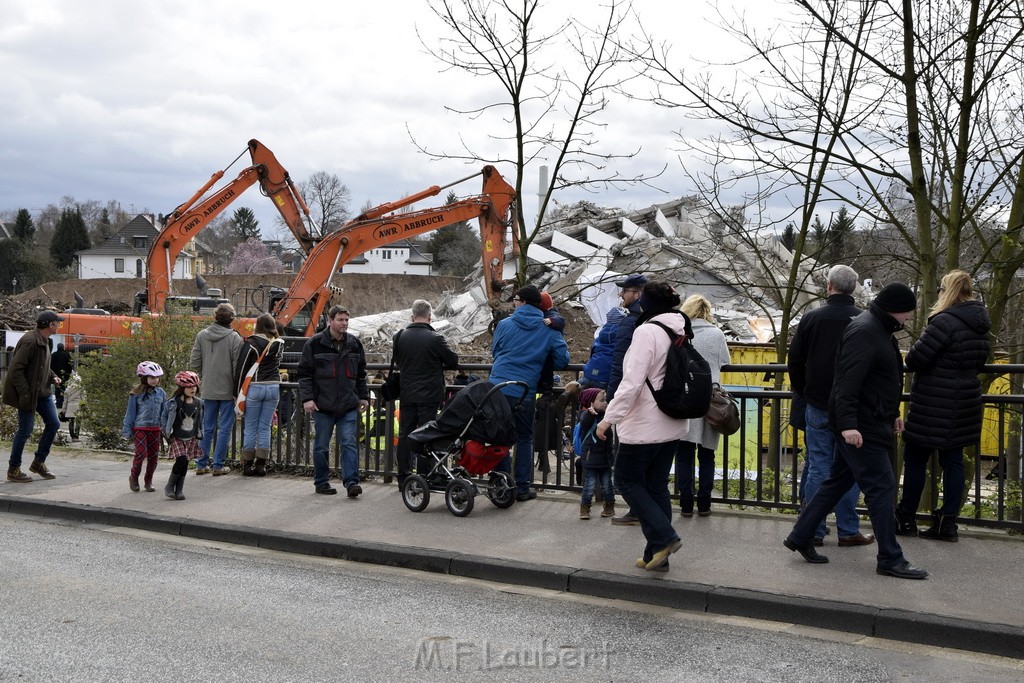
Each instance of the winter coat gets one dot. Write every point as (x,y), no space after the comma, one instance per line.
(598,367)
(945,396)
(812,355)
(145,409)
(710,344)
(421,354)
(74,394)
(170,415)
(269,371)
(597,454)
(868,380)
(28,376)
(623,338)
(521,344)
(333,374)
(634,409)
(213,357)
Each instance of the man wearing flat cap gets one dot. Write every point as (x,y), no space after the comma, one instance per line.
(864,413)
(522,343)
(27,388)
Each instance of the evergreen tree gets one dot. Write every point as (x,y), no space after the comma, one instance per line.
(24,228)
(789,236)
(842,226)
(820,234)
(455,247)
(69,237)
(246,224)
(104,229)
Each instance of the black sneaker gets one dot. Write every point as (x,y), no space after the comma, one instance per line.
(354,490)
(528,495)
(326,490)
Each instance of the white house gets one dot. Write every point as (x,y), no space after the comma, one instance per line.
(397,258)
(124,253)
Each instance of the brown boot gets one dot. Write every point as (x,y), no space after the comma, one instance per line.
(609,508)
(248,458)
(16,475)
(133,482)
(584,512)
(262,455)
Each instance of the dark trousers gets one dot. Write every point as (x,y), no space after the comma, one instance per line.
(685,452)
(410,416)
(870,467)
(915,464)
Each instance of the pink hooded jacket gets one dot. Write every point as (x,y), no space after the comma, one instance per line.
(633,410)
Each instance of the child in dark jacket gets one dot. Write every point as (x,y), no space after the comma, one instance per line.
(596,455)
(554,320)
(183,428)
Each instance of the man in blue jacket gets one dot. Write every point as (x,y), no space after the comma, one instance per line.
(522,342)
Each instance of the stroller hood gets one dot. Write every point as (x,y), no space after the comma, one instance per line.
(490,421)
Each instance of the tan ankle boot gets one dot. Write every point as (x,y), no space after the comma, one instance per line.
(584,512)
(609,509)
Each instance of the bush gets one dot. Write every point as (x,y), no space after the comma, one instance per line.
(8,422)
(108,377)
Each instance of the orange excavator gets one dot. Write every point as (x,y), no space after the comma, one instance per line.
(301,308)
(189,218)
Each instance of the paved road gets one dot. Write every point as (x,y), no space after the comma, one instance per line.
(89,603)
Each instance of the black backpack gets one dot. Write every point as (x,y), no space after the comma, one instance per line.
(686,392)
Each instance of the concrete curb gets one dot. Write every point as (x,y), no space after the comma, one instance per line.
(893,624)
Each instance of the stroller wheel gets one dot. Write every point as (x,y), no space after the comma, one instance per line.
(501,488)
(458,496)
(415,493)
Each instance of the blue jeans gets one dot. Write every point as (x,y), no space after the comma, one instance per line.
(870,468)
(27,422)
(915,462)
(260,404)
(325,424)
(524,417)
(821,443)
(641,472)
(593,477)
(218,421)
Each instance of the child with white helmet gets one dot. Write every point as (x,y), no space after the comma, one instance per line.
(142,422)
(183,429)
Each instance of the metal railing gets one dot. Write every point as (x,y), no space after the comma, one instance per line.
(759,466)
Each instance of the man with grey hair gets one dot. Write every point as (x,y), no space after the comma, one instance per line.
(213,359)
(421,355)
(811,371)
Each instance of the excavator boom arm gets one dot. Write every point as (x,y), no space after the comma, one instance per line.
(311,290)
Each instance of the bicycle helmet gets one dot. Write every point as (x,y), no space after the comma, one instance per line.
(148,368)
(187,378)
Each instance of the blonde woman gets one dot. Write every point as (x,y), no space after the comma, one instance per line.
(265,347)
(945,403)
(700,438)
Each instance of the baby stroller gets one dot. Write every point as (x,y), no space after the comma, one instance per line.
(468,439)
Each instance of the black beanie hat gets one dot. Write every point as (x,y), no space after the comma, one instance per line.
(896,297)
(529,295)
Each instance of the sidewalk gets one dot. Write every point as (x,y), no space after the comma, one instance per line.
(731,563)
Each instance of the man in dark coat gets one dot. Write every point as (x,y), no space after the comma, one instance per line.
(332,388)
(864,413)
(27,389)
(61,365)
(421,355)
(812,358)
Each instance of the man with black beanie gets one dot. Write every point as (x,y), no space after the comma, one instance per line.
(864,413)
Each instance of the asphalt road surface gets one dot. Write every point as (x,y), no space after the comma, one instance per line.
(85,603)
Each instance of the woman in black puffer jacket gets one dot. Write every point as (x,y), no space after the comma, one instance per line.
(945,403)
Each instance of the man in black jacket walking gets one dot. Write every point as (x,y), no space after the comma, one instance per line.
(332,388)
(812,358)
(421,355)
(864,414)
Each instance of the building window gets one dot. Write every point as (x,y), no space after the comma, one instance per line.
(119,265)
(385,254)
(139,242)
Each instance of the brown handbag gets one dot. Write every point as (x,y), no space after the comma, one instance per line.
(723,415)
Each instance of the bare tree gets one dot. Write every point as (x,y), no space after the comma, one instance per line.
(328,199)
(554,79)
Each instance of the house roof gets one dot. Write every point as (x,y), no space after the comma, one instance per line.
(6,233)
(122,242)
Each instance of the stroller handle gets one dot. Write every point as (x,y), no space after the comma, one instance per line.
(497,387)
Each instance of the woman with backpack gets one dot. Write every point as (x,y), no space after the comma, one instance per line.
(647,436)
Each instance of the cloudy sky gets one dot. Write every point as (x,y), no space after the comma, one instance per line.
(141,102)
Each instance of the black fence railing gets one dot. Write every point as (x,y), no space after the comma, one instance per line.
(760,466)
